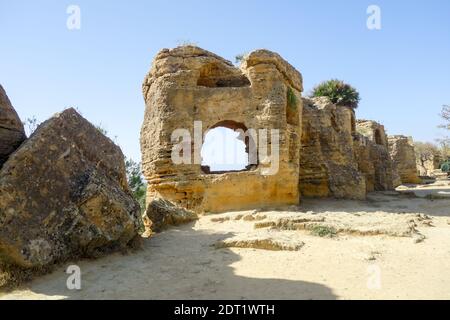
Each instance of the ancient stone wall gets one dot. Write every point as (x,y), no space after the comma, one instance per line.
(188,84)
(328,166)
(428,164)
(402,152)
(362,149)
(373,148)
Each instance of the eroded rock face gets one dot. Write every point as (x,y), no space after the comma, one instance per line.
(427,164)
(328,166)
(373,148)
(188,84)
(402,152)
(12,133)
(64,194)
(161,214)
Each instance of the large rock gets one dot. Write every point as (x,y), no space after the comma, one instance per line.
(402,152)
(64,194)
(12,133)
(188,84)
(161,214)
(328,166)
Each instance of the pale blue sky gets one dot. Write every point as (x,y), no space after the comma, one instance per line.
(401,71)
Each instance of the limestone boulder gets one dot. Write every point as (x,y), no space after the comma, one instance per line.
(161,214)
(328,164)
(402,152)
(64,194)
(12,133)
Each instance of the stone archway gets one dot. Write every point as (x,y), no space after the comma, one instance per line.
(189,85)
(226,140)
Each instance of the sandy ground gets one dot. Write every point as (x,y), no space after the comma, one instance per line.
(407,258)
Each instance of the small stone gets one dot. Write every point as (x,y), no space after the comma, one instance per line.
(418,238)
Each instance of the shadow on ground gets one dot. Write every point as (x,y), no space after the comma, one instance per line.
(389,202)
(180,263)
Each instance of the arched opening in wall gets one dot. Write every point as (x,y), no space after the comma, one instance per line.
(214,75)
(226,148)
(378,139)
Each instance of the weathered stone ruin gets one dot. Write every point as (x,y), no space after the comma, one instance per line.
(373,156)
(324,151)
(12,133)
(428,163)
(64,194)
(190,84)
(328,166)
(402,152)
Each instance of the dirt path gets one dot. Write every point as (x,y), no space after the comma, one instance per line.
(183,263)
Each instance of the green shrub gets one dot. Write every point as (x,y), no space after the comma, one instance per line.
(136,181)
(339,92)
(292,99)
(445,167)
(323,231)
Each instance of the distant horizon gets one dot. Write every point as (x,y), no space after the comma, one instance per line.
(401,71)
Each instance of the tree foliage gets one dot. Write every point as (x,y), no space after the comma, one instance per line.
(445,114)
(426,151)
(445,167)
(30,125)
(339,92)
(136,181)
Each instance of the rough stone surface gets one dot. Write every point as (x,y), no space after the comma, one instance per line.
(161,213)
(328,166)
(402,152)
(368,224)
(262,241)
(373,150)
(427,164)
(12,133)
(188,84)
(64,194)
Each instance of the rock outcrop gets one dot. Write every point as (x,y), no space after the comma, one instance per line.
(188,84)
(328,165)
(428,162)
(12,133)
(64,194)
(373,150)
(402,152)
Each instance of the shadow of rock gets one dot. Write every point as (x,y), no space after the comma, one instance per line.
(180,263)
(381,201)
